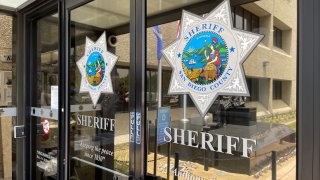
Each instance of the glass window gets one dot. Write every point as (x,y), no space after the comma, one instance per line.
(45,104)
(239,17)
(99,130)
(277,37)
(277,90)
(247,21)
(255,24)
(253,86)
(233,15)
(267,115)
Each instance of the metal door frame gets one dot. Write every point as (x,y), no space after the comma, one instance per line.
(26,78)
(308,87)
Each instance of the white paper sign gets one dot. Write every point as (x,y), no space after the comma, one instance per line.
(54,97)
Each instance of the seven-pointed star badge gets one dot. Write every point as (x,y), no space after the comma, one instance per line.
(207,57)
(95,67)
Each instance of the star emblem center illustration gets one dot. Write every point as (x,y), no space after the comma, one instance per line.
(207,57)
(95,67)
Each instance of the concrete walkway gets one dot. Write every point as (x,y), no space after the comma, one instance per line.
(285,170)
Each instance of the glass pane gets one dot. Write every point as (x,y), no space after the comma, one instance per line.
(267,116)
(277,90)
(247,21)
(45,97)
(103,14)
(277,37)
(255,24)
(253,86)
(99,134)
(156,7)
(239,18)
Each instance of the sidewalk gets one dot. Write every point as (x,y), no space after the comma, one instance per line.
(285,170)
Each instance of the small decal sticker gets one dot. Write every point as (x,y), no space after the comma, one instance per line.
(45,126)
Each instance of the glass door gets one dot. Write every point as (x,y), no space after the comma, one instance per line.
(99,90)
(44,97)
(188,142)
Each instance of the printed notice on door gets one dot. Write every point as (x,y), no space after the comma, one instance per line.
(54,97)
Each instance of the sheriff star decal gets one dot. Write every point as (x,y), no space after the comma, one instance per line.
(207,57)
(95,67)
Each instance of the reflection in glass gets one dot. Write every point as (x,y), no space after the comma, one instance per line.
(99,136)
(268,115)
(46,93)
(157,7)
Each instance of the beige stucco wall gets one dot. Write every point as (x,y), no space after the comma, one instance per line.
(6,147)
(271,62)
(5,40)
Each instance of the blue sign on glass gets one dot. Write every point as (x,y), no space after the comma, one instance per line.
(163,122)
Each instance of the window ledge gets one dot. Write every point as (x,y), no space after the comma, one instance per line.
(280,51)
(264,46)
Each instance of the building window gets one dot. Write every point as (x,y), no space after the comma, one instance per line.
(277,37)
(253,86)
(238,18)
(255,23)
(277,90)
(245,20)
